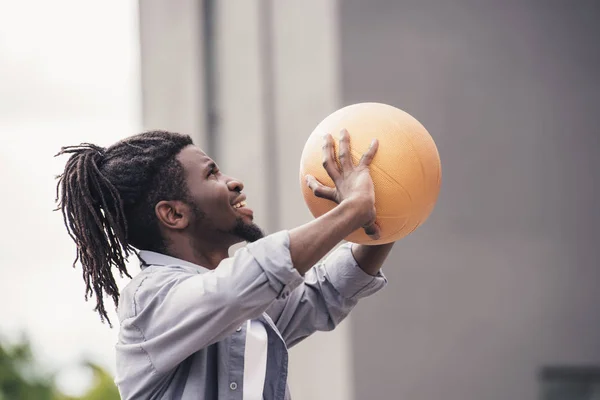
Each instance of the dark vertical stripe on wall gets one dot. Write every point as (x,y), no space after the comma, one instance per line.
(270,134)
(210,79)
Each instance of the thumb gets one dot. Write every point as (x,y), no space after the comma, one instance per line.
(320,190)
(373,231)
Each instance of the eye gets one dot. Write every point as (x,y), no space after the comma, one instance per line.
(213,171)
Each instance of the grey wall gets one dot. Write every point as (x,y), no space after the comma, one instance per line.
(504,277)
(172,67)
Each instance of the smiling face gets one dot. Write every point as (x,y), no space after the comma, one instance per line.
(219,207)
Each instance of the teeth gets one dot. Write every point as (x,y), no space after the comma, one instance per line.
(240,204)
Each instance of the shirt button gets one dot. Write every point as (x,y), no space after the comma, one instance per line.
(233,386)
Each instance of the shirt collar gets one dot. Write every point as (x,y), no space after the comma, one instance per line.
(148,258)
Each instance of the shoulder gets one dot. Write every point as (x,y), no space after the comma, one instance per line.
(150,287)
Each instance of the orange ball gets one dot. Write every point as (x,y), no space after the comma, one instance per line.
(406,170)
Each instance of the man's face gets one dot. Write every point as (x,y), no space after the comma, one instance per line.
(220,205)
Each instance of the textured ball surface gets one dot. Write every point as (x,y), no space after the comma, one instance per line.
(406,170)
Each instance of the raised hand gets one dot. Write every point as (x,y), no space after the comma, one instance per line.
(353,183)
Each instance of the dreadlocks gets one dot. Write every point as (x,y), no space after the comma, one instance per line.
(107,197)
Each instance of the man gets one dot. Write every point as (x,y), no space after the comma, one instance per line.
(196,323)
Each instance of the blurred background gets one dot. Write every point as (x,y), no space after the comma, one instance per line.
(495,297)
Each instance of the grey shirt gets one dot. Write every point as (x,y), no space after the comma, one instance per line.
(182,331)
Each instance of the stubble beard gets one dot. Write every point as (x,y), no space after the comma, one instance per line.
(249,232)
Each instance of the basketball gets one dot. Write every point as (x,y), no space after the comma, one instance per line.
(406,170)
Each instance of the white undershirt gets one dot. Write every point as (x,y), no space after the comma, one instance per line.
(255,360)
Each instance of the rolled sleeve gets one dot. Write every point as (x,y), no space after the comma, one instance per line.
(330,291)
(348,278)
(274,258)
(173,309)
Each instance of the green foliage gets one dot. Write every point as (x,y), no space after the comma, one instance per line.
(21,378)
(18,378)
(103,387)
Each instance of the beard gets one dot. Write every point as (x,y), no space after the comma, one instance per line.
(249,232)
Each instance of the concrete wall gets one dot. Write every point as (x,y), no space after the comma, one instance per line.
(172,60)
(503,278)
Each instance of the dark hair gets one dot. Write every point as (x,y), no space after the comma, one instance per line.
(107,197)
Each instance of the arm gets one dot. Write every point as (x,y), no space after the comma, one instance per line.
(312,241)
(330,291)
(371,258)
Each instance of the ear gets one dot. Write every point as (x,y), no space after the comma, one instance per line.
(173,214)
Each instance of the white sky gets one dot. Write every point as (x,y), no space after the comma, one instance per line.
(69,73)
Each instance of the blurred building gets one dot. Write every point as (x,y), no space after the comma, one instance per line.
(501,285)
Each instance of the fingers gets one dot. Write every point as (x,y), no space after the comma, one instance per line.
(345,156)
(329,158)
(319,189)
(373,231)
(367,158)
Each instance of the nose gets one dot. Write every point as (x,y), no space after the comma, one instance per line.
(235,185)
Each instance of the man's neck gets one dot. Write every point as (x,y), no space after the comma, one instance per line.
(208,255)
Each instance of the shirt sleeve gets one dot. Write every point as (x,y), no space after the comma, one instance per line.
(329,292)
(175,313)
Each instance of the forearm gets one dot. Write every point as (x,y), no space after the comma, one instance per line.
(312,241)
(371,258)
(328,294)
